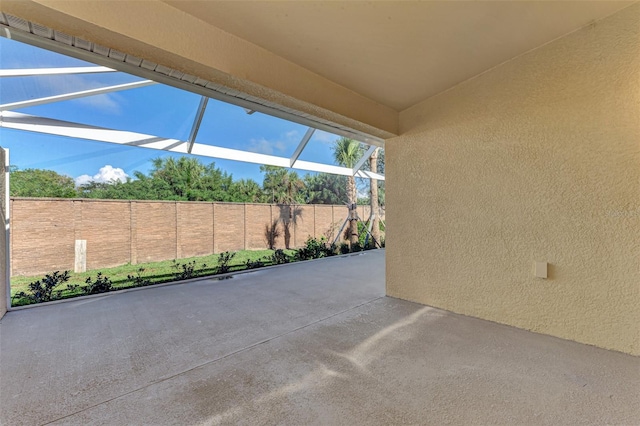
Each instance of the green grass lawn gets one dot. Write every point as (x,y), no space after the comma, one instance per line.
(155,272)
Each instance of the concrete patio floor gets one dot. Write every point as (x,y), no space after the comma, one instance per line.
(307,343)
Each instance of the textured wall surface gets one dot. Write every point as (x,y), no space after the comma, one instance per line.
(304,224)
(195,229)
(156,233)
(255,234)
(44,239)
(535,160)
(119,232)
(98,224)
(229,232)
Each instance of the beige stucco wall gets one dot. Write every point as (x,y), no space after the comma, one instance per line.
(535,160)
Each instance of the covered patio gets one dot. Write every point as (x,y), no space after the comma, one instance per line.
(269,347)
(508,293)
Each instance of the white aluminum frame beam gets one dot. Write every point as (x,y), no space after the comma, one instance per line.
(31,123)
(369,175)
(30,72)
(75,95)
(249,105)
(196,123)
(364,159)
(301,145)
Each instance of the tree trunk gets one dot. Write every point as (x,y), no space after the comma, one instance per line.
(375,210)
(353,223)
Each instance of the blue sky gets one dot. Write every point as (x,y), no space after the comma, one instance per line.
(156,110)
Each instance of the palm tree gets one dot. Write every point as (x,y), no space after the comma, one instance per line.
(189,179)
(245,191)
(281,186)
(347,152)
(375,227)
(325,188)
(184,176)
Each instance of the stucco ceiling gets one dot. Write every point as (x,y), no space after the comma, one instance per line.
(398,53)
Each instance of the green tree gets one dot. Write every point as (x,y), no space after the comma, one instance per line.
(281,186)
(365,186)
(140,188)
(380,169)
(325,188)
(95,190)
(41,183)
(373,195)
(375,188)
(184,179)
(245,191)
(347,152)
(188,179)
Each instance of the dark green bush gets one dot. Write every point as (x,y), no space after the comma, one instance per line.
(314,248)
(356,248)
(344,248)
(44,290)
(185,271)
(253,264)
(279,257)
(364,242)
(138,280)
(362,233)
(102,284)
(224,260)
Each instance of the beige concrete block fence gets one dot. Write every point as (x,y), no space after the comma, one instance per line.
(117,232)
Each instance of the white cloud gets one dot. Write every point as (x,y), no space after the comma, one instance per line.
(264,146)
(286,141)
(83,180)
(108,103)
(325,137)
(106,174)
(293,134)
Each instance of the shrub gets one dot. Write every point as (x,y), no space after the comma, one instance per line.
(356,248)
(309,251)
(185,271)
(253,264)
(224,260)
(344,248)
(44,290)
(279,257)
(364,242)
(362,233)
(102,284)
(314,248)
(138,280)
